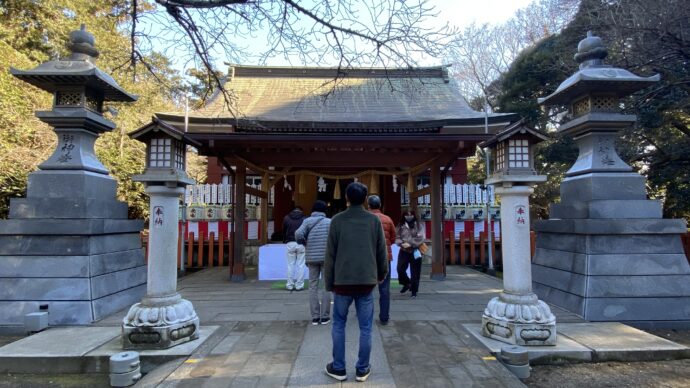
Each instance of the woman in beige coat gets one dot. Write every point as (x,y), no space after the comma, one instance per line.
(409,236)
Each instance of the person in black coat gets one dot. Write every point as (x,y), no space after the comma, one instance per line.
(295,250)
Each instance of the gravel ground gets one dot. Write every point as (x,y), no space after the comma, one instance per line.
(655,374)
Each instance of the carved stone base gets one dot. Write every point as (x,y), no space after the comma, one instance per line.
(159,323)
(519,320)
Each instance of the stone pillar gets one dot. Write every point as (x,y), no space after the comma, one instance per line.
(517,316)
(517,277)
(162,319)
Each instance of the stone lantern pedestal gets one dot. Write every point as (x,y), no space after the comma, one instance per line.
(162,319)
(517,316)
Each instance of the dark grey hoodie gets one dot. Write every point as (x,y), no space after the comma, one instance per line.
(291,223)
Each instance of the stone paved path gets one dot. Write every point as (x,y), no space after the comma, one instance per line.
(266,338)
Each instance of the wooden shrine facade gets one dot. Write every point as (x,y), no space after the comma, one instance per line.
(375,125)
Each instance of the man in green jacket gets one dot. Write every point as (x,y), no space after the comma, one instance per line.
(356,261)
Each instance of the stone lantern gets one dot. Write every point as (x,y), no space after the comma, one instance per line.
(593,96)
(514,155)
(165,154)
(79,90)
(516,316)
(74,251)
(606,253)
(162,319)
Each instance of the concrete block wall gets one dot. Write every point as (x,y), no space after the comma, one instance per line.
(614,270)
(80,279)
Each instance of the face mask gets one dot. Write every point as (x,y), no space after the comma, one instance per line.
(409,218)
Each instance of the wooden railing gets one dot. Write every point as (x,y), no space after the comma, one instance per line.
(471,251)
(216,251)
(198,252)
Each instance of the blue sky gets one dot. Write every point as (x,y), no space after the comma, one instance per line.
(457,13)
(463,12)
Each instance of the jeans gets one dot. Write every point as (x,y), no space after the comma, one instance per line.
(405,259)
(385,297)
(295,265)
(319,308)
(364,304)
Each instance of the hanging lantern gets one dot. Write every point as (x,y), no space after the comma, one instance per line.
(374,184)
(336,189)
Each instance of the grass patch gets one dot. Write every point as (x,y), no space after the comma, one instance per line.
(281,284)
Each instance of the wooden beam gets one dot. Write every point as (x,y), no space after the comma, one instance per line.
(451,247)
(438,270)
(420,193)
(238,222)
(265,186)
(255,192)
(333,159)
(221,249)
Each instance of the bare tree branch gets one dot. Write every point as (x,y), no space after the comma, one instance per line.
(343,33)
(482,52)
(199,3)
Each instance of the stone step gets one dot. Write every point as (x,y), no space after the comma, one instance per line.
(84,350)
(596,342)
(602,186)
(607,209)
(85,208)
(69,266)
(613,264)
(35,245)
(604,244)
(69,226)
(70,312)
(615,286)
(671,312)
(622,226)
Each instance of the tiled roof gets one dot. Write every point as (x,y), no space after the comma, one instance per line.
(319,96)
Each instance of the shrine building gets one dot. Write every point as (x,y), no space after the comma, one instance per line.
(293,135)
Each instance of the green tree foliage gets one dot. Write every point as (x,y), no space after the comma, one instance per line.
(33,31)
(644,37)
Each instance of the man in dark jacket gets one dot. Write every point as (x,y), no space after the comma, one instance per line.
(295,250)
(356,261)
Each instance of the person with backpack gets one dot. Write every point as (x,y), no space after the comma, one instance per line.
(313,233)
(295,251)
